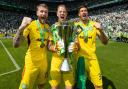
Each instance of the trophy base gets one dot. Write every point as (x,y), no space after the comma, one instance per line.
(65,67)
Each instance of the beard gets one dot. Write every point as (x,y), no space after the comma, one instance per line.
(42,19)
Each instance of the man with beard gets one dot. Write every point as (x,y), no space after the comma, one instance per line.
(88,31)
(36,33)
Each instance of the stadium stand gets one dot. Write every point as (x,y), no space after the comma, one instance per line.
(113,18)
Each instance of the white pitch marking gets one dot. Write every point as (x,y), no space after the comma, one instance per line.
(9,72)
(10,56)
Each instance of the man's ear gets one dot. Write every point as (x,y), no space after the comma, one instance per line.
(36,13)
(57,14)
(79,14)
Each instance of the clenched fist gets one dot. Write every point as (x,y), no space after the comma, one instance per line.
(26,21)
(98,25)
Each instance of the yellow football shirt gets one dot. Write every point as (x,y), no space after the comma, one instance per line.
(35,52)
(88,46)
(36,57)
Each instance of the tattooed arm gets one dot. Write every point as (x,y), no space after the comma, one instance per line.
(17,39)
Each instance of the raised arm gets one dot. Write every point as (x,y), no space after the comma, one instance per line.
(101,34)
(17,39)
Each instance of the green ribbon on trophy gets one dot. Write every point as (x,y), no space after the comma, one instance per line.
(54,31)
(42,33)
(56,37)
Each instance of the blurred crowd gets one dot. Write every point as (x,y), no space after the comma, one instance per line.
(114,19)
(9,21)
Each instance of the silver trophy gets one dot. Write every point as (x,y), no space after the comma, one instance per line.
(65,31)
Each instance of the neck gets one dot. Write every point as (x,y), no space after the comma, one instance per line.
(61,20)
(85,21)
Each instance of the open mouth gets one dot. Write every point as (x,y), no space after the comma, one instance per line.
(62,17)
(44,17)
(84,16)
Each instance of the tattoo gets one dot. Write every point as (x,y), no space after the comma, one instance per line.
(17,39)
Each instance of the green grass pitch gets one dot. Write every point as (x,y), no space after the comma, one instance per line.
(113,60)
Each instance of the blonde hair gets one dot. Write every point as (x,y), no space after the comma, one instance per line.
(62,5)
(41,5)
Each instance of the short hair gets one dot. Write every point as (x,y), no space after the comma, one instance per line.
(42,5)
(62,5)
(82,6)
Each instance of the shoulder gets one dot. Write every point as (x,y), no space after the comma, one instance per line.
(47,25)
(77,23)
(33,23)
(55,24)
(94,22)
(76,19)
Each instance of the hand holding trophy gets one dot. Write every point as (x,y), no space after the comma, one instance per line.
(60,46)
